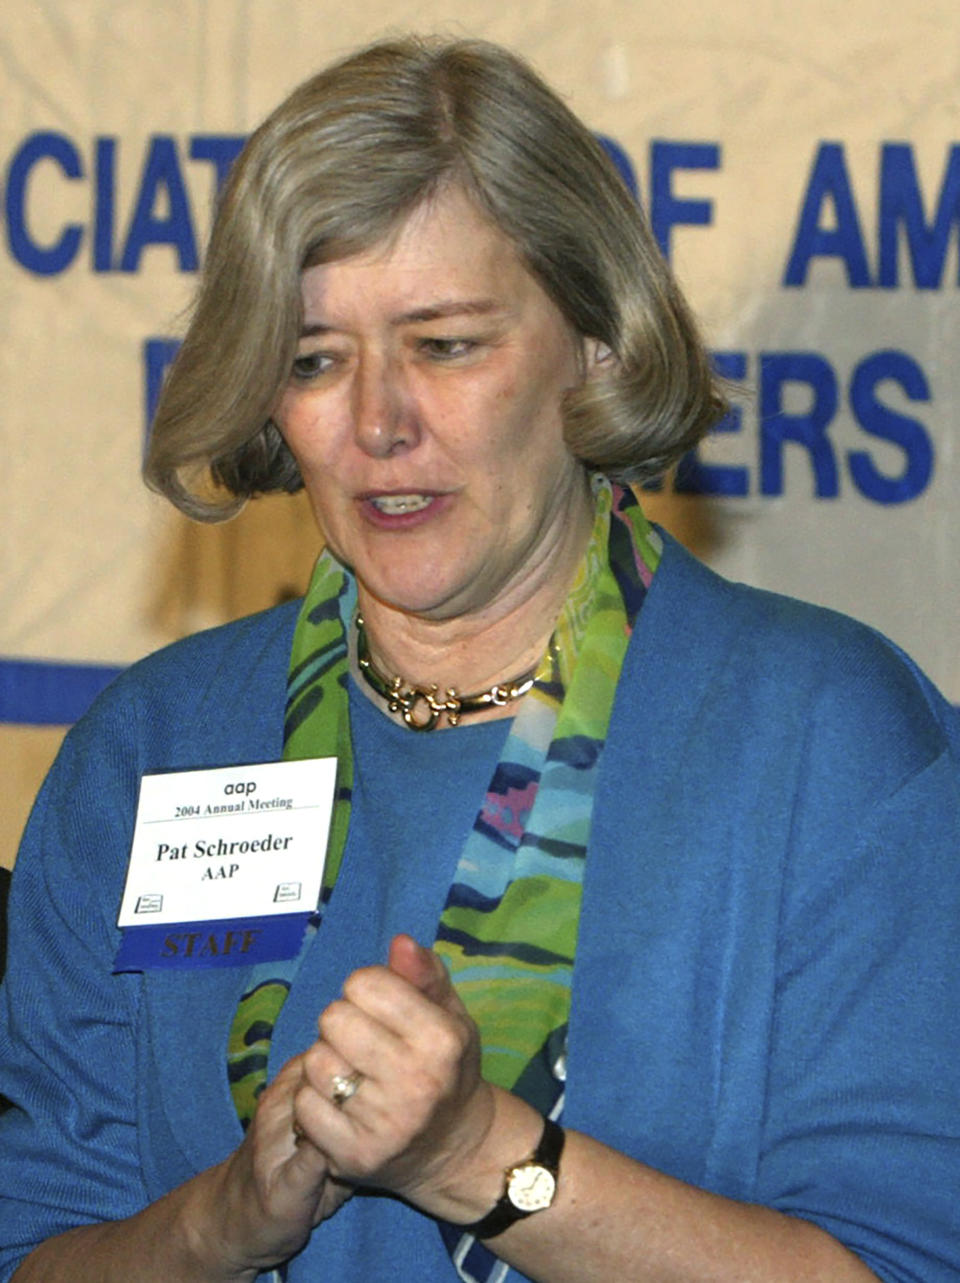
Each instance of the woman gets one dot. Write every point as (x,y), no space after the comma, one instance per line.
(686,852)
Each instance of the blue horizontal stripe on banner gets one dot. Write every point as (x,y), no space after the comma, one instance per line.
(37,692)
(46,693)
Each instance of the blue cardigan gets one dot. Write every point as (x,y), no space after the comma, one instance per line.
(767,983)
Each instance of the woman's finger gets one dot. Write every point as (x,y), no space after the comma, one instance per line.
(359,1038)
(413,1014)
(421,968)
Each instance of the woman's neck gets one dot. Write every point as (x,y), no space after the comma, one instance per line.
(471,653)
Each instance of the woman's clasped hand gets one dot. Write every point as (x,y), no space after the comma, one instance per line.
(413,1117)
(421,1111)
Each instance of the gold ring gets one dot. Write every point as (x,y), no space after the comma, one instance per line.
(344,1086)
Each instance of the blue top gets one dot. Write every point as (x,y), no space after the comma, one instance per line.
(767,979)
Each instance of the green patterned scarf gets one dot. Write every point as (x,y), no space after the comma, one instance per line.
(508,930)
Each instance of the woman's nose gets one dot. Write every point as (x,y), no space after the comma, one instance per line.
(385,420)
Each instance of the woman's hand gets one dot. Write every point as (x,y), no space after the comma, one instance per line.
(417,1123)
(252,1211)
(276,1187)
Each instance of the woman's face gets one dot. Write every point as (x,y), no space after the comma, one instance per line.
(424,411)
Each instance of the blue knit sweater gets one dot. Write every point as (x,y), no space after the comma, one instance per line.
(767,981)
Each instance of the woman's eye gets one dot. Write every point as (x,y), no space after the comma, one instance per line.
(447,349)
(311,365)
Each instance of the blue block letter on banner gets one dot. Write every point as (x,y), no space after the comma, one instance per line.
(880,421)
(696,477)
(777,426)
(161,174)
(157,356)
(45,260)
(667,210)
(901,205)
(829,181)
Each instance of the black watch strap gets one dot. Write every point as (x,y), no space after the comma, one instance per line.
(505,1212)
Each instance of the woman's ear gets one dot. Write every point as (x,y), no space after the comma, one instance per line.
(598,358)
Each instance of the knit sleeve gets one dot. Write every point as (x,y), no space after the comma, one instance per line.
(68,1146)
(862,1120)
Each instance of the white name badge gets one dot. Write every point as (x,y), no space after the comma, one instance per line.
(226,864)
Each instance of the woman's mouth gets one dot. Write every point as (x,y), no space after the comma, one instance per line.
(397,505)
(404,511)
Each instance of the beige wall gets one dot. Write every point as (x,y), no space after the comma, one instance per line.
(26,752)
(208,574)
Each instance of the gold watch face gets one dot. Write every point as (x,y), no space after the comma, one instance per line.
(531,1188)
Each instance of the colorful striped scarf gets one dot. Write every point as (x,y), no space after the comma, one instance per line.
(509,927)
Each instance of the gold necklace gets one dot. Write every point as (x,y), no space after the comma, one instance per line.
(421,707)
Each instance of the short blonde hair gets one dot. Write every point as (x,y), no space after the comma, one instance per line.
(333,171)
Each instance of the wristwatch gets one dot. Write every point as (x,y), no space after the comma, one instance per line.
(530,1186)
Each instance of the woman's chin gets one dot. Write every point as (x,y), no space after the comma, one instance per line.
(426,600)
